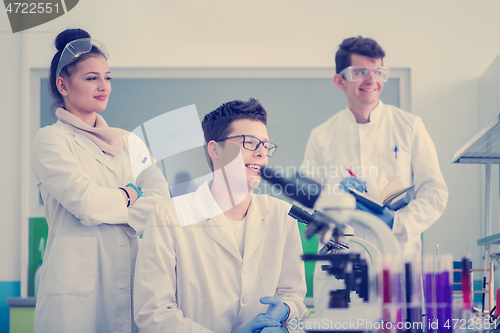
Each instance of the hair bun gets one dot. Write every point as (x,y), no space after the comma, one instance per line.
(69,35)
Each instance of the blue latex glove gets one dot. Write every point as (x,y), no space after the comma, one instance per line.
(274,330)
(387,214)
(276,309)
(258,323)
(355,182)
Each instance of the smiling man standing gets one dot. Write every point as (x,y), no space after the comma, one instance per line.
(216,259)
(371,138)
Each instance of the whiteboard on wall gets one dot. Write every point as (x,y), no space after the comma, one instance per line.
(296,100)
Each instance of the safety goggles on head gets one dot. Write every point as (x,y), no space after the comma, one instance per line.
(252,143)
(355,73)
(76,48)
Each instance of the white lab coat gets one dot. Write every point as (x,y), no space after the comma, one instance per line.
(192,279)
(368,149)
(88,267)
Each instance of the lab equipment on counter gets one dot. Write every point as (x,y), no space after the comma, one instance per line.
(430,298)
(413,293)
(495,312)
(349,267)
(337,242)
(330,221)
(392,305)
(443,290)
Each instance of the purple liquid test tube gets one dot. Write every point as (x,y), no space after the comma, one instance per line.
(443,293)
(446,282)
(429,292)
(438,278)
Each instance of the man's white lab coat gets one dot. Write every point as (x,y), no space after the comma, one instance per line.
(87,272)
(193,278)
(370,149)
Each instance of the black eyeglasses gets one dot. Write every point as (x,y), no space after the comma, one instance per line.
(252,143)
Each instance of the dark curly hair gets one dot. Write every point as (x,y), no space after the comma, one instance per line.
(356,45)
(217,124)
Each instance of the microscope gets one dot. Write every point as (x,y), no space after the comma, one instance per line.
(331,219)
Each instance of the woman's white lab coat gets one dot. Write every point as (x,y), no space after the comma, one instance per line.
(88,267)
(192,278)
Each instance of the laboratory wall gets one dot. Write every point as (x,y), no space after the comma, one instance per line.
(446,44)
(10,174)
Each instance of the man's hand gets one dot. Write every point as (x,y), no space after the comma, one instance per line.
(354,182)
(274,330)
(387,214)
(258,323)
(276,309)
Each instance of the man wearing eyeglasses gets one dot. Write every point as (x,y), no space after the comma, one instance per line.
(217,259)
(371,138)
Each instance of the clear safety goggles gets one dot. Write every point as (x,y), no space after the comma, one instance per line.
(355,73)
(76,48)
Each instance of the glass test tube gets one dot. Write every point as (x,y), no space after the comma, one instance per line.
(430,305)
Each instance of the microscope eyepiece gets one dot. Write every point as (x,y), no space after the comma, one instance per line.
(300,188)
(301,215)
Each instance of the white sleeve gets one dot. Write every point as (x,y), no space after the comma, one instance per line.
(70,184)
(313,159)
(292,282)
(155,302)
(431,192)
(151,181)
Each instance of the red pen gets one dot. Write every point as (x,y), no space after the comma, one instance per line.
(352,174)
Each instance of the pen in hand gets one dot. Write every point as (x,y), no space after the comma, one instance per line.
(353,175)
